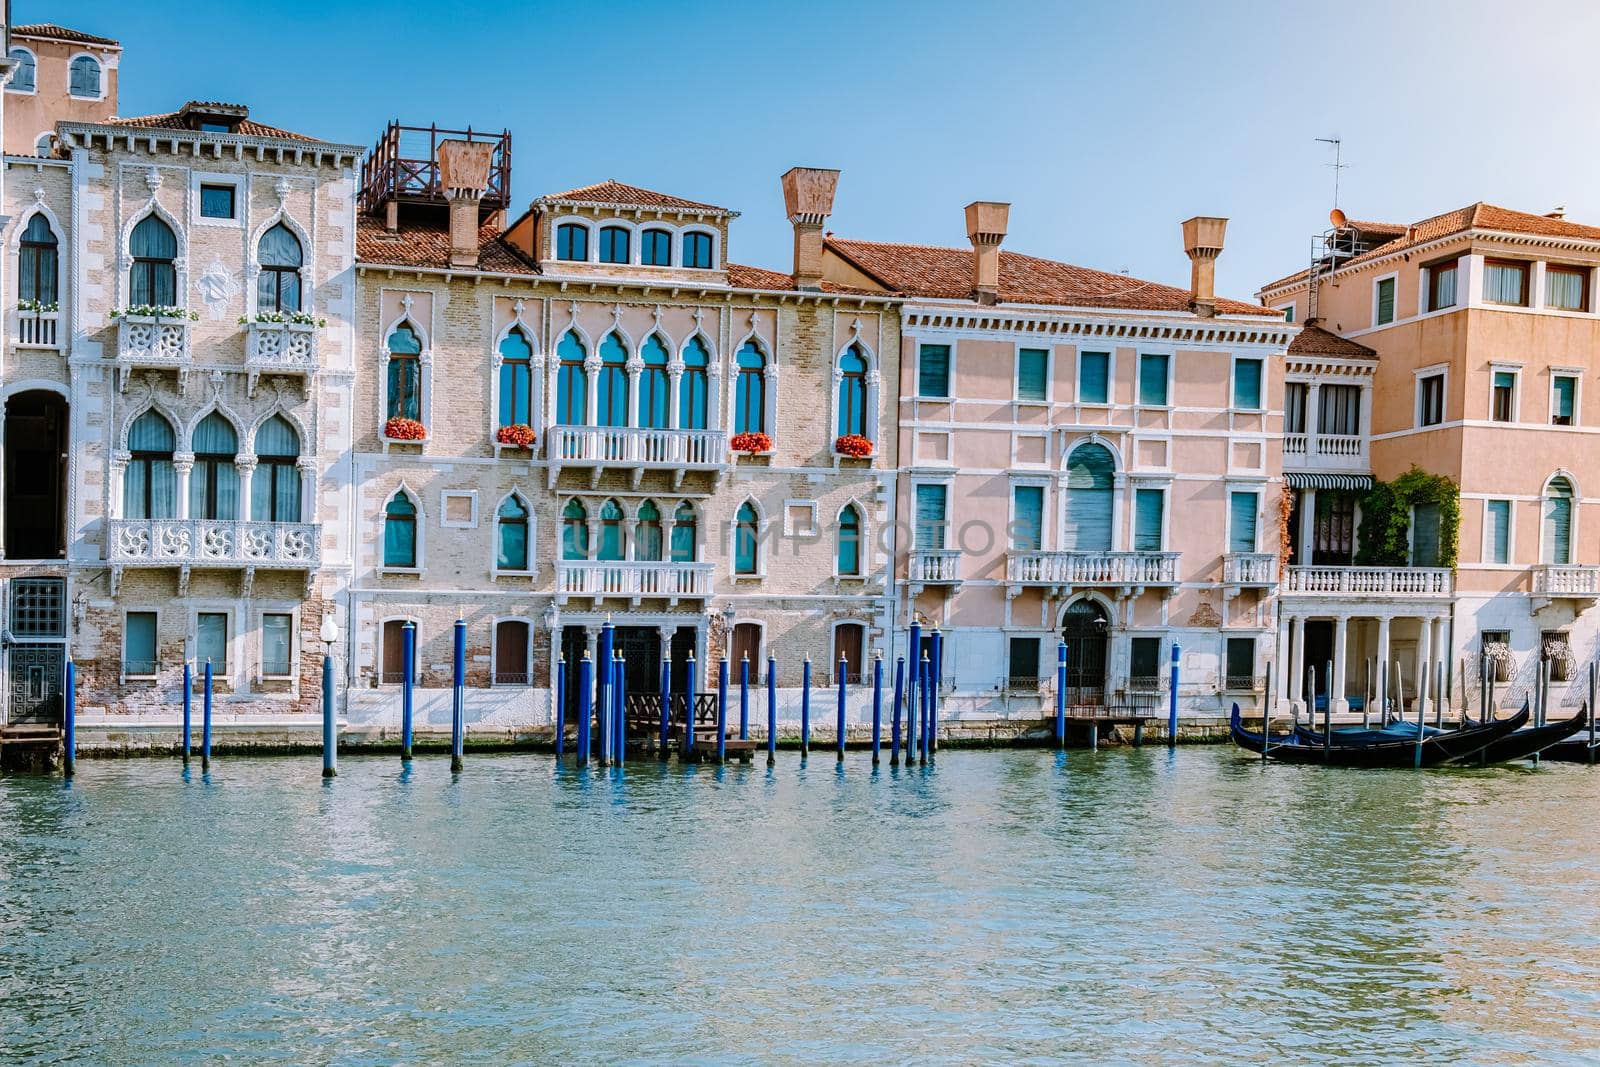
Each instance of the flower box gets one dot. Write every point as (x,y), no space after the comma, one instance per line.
(401,429)
(853,445)
(518,435)
(753,442)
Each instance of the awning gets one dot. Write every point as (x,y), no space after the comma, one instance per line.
(1327,481)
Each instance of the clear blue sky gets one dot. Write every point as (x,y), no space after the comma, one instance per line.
(1104,123)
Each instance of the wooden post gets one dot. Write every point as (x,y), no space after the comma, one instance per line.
(330,730)
(188,701)
(805,709)
(722,710)
(602,705)
(894,714)
(69,723)
(1172,700)
(666,703)
(585,704)
(744,697)
(688,719)
(844,666)
(619,696)
(205,724)
(1061,694)
(561,704)
(935,684)
(877,704)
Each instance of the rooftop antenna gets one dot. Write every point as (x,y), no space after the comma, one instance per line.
(1338,163)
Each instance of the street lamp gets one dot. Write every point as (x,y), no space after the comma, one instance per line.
(330,740)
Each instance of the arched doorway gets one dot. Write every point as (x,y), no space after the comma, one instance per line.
(1085,628)
(35,476)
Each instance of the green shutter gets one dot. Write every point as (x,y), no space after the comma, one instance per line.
(1027,517)
(1242,524)
(1558,522)
(1425,535)
(930,516)
(933,371)
(1497,516)
(1094,378)
(1147,508)
(1090,474)
(1247,384)
(1153,380)
(1385,301)
(1032,364)
(139,643)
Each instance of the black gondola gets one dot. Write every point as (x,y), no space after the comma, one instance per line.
(1533,741)
(1407,752)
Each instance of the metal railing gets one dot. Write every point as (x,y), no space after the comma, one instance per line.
(1368,581)
(1092,568)
(404,165)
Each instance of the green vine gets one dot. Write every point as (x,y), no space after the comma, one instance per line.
(1386,517)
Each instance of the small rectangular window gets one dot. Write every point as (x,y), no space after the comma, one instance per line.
(1094,377)
(1033,374)
(139,643)
(1023,672)
(1430,400)
(1566,288)
(1288,313)
(1247,384)
(1385,301)
(1144,662)
(1497,534)
(1153,380)
(216,201)
(933,372)
(1240,668)
(1027,518)
(1148,506)
(1563,401)
(275,645)
(211,641)
(1505,391)
(1242,522)
(1442,286)
(1505,282)
(930,517)
(1425,535)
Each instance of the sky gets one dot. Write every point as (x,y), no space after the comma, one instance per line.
(1104,124)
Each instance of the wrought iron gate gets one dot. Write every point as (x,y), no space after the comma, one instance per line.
(1085,629)
(36,658)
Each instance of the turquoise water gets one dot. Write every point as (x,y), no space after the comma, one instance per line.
(1004,907)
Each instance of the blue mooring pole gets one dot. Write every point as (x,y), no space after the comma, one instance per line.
(602,670)
(1061,694)
(923,672)
(935,675)
(772,709)
(1172,703)
(877,705)
(205,724)
(844,666)
(408,667)
(619,690)
(688,703)
(666,705)
(69,738)
(188,702)
(330,730)
(894,712)
(458,697)
(722,710)
(805,709)
(561,705)
(585,704)
(913,688)
(744,697)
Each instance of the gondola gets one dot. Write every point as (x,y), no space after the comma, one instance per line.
(1573,750)
(1433,750)
(1528,742)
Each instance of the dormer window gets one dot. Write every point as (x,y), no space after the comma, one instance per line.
(697,250)
(655,248)
(614,244)
(572,242)
(213,116)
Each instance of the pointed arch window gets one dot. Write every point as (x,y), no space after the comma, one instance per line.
(853,392)
(405,373)
(1557,533)
(610,532)
(574,531)
(614,244)
(572,388)
(38,262)
(275,488)
(655,387)
(150,482)
(647,534)
(685,534)
(1090,477)
(511,529)
(516,380)
(849,556)
(400,532)
(613,385)
(694,387)
(746,534)
(750,391)
(214,481)
(281,257)
(153,278)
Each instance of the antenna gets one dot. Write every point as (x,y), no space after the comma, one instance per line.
(1338,163)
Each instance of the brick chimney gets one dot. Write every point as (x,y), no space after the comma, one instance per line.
(808,198)
(1202,242)
(464,177)
(986,228)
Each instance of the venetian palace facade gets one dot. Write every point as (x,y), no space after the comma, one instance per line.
(254,381)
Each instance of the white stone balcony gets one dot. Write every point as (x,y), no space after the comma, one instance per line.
(39,329)
(1326,451)
(1366,582)
(213,544)
(145,343)
(1250,570)
(1131,571)
(1565,581)
(632,580)
(934,566)
(281,348)
(637,449)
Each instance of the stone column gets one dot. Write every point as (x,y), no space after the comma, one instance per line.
(674,384)
(635,368)
(115,502)
(1297,661)
(246,466)
(307,465)
(1280,684)
(1313,399)
(1385,683)
(1424,663)
(1338,700)
(591,391)
(183,463)
(1308,525)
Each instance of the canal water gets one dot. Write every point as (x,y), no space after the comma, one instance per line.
(1006,907)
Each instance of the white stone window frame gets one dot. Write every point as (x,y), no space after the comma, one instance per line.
(308,253)
(1165,484)
(424,359)
(763,526)
(1515,370)
(122,652)
(104,79)
(11,88)
(445,497)
(19,225)
(789,529)
(947,482)
(756,665)
(950,366)
(495,570)
(599,226)
(1577,511)
(1234,359)
(240,186)
(769,374)
(866,563)
(1119,484)
(537,384)
(1044,482)
(528,653)
(1172,375)
(1436,370)
(420,522)
(1486,547)
(416,646)
(874,384)
(680,232)
(258,631)
(1255,489)
(1017,437)
(591,245)
(867,651)
(180,262)
(1111,377)
(1288,311)
(1049,351)
(1392,276)
(1576,374)
(235,652)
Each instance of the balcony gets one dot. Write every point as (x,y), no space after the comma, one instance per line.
(39,329)
(632,579)
(147,343)
(280,348)
(1362,582)
(933,566)
(1133,572)
(636,449)
(1250,570)
(1326,451)
(213,543)
(1565,581)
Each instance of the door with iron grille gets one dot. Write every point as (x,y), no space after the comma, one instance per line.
(1085,628)
(36,658)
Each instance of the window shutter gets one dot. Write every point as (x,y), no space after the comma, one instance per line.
(933,371)
(1247,383)
(1386,301)
(1242,524)
(1089,501)
(1497,515)
(1558,523)
(1028,517)
(1425,535)
(1094,377)
(930,516)
(1024,657)
(1153,380)
(1241,657)
(1147,508)
(1031,374)
(1564,397)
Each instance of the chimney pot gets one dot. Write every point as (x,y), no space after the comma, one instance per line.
(464,176)
(986,229)
(1202,242)
(808,200)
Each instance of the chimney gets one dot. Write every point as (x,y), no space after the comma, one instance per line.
(986,228)
(808,198)
(1202,241)
(1558,213)
(464,176)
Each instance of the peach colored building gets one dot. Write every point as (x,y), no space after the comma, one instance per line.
(57,75)
(1481,326)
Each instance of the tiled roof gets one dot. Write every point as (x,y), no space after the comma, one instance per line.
(1313,340)
(428,245)
(58,33)
(743,277)
(612,191)
(174,120)
(946,273)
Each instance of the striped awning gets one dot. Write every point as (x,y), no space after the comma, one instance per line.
(1297,480)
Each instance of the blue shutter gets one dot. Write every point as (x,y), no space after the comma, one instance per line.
(1497,516)
(1094,377)
(1090,472)
(1558,522)
(930,516)
(1247,384)
(1032,368)
(1027,517)
(1147,508)
(933,371)
(1153,380)
(1242,522)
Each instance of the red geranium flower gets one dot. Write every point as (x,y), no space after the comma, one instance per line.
(399,429)
(751,442)
(519,434)
(853,444)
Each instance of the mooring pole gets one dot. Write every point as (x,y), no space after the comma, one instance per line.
(772,708)
(69,724)
(585,704)
(894,712)
(561,704)
(1266,714)
(844,665)
(619,689)
(935,682)
(408,667)
(913,689)
(602,703)
(722,710)
(688,703)
(877,704)
(1592,711)
(1422,710)
(458,696)
(1061,694)
(744,697)
(1172,701)
(205,724)
(330,738)
(188,701)
(666,704)
(805,709)
(922,709)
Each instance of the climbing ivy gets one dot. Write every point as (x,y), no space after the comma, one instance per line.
(1386,517)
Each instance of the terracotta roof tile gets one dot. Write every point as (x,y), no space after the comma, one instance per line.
(58,33)
(612,191)
(743,277)
(428,245)
(174,120)
(946,273)
(1313,340)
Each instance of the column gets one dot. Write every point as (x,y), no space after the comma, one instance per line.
(1440,655)
(1337,700)
(674,377)
(1297,662)
(307,466)
(1385,684)
(246,466)
(183,463)
(1280,684)
(114,491)
(591,392)
(1424,662)
(635,368)
(1313,402)
(1308,524)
